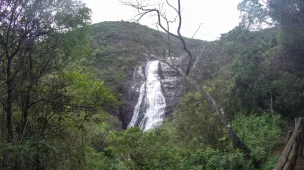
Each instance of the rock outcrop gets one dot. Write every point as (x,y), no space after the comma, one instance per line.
(171,86)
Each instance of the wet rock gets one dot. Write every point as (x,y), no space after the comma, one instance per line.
(171,86)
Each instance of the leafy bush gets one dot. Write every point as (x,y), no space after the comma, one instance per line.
(225,160)
(196,122)
(151,150)
(260,133)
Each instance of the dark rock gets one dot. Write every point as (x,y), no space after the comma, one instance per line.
(171,85)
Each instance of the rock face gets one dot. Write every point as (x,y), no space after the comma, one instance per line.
(171,87)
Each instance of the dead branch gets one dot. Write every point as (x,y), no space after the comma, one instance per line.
(186,74)
(197,30)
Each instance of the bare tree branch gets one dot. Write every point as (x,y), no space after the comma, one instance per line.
(159,17)
(186,74)
(197,30)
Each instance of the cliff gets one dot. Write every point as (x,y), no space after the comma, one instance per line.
(118,49)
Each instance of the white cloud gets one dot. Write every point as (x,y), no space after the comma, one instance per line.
(216,16)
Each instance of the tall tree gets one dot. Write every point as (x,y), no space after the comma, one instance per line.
(46,101)
(30,42)
(288,17)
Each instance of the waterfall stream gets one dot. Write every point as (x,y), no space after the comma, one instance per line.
(149,110)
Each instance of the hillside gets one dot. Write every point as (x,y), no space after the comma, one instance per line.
(119,46)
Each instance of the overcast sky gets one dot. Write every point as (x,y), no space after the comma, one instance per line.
(216,16)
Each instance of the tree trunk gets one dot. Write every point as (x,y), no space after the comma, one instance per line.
(25,111)
(83,152)
(9,116)
(271,102)
(235,139)
(38,164)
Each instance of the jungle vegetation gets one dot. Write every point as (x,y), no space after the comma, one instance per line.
(61,81)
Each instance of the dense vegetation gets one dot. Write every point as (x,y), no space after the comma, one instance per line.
(61,79)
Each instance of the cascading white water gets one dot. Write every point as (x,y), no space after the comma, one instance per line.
(138,105)
(149,110)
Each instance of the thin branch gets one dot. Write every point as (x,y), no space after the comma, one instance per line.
(197,30)
(198,58)
(172,6)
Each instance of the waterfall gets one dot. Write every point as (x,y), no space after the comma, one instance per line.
(149,110)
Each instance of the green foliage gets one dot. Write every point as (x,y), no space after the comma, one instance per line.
(290,98)
(151,150)
(92,92)
(76,43)
(64,85)
(195,121)
(285,52)
(162,149)
(55,112)
(222,160)
(254,13)
(111,67)
(270,162)
(254,74)
(261,133)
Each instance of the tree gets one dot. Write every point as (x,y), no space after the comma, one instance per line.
(287,17)
(145,8)
(39,39)
(30,33)
(255,14)
(254,70)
